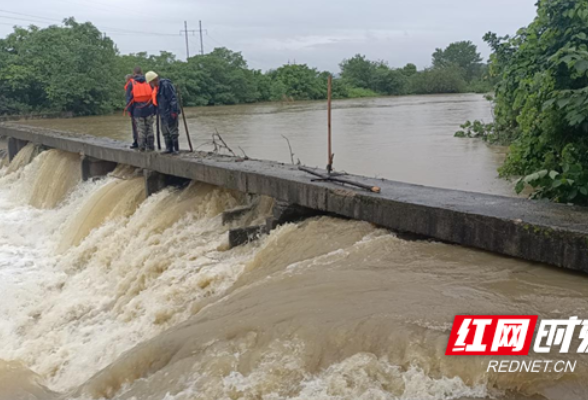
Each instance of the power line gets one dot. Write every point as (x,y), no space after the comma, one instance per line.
(249,59)
(116,33)
(214,40)
(109,7)
(87,5)
(21,19)
(125,31)
(29,15)
(113,30)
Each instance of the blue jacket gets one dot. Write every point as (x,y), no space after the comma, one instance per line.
(167,101)
(139,110)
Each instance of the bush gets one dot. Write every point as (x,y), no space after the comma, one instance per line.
(437,80)
(541,101)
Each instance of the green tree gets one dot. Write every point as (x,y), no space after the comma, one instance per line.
(388,81)
(541,100)
(463,55)
(376,76)
(264,85)
(358,71)
(409,69)
(20,89)
(299,82)
(220,77)
(66,68)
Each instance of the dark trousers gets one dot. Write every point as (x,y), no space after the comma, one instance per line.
(134,126)
(145,132)
(169,128)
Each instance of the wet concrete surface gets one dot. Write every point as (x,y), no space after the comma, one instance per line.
(537,231)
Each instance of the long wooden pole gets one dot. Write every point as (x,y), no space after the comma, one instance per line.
(330,155)
(184,118)
(157,124)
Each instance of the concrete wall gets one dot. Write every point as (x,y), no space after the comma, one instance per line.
(535,231)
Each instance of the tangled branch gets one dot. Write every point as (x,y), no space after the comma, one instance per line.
(222,144)
(218,144)
(291,151)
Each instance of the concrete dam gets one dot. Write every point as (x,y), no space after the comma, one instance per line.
(245,279)
(542,232)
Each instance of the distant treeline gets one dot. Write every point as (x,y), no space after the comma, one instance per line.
(75,68)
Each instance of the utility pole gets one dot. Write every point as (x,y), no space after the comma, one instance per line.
(201,40)
(329,120)
(186,31)
(187,42)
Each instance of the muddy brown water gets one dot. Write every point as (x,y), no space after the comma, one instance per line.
(107,294)
(408,139)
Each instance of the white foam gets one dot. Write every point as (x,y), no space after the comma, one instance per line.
(68,316)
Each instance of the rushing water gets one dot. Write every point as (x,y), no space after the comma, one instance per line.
(407,139)
(108,294)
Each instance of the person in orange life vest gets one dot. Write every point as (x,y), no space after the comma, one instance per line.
(166,100)
(140,99)
(137,71)
(135,144)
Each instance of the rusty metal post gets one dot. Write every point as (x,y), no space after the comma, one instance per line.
(330,154)
(157,124)
(184,118)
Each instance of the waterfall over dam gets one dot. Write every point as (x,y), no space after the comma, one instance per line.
(112,294)
(543,232)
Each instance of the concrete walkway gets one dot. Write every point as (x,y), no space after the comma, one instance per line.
(536,231)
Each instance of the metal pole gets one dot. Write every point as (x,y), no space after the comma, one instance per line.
(157,123)
(184,118)
(187,43)
(330,155)
(201,40)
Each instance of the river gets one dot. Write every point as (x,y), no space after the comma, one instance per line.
(409,139)
(108,294)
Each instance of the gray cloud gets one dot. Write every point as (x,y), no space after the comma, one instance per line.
(273,32)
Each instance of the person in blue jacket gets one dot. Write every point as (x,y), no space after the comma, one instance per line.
(166,100)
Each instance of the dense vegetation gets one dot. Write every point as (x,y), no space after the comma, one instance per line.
(541,103)
(58,69)
(75,68)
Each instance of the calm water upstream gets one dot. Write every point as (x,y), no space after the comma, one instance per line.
(408,139)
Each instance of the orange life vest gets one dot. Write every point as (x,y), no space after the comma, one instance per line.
(154,99)
(142,92)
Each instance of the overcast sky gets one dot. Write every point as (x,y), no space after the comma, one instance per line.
(272,32)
